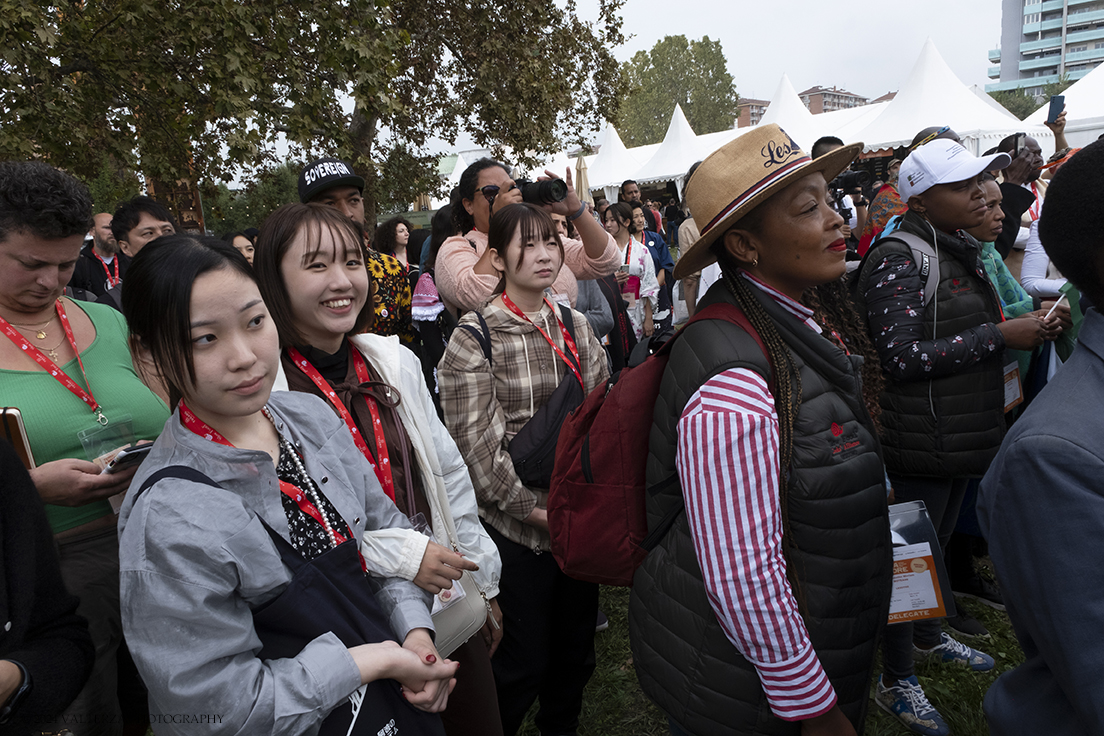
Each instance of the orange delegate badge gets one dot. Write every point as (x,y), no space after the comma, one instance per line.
(1013,388)
(916,594)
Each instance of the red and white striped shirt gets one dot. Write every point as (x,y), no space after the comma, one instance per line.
(727,460)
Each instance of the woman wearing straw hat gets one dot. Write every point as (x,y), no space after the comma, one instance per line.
(759,610)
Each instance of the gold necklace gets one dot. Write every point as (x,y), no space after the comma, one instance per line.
(53,352)
(40,331)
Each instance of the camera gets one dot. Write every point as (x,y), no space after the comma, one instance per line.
(849,181)
(549,191)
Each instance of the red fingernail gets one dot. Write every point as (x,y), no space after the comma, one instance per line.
(430,658)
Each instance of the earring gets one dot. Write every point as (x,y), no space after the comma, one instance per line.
(755,263)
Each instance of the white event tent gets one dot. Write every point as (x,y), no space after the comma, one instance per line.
(787,111)
(678,151)
(934,96)
(1084,109)
(931,96)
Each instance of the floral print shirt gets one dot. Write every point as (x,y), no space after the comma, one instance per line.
(898,324)
(391,296)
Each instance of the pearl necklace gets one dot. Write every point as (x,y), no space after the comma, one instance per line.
(309,490)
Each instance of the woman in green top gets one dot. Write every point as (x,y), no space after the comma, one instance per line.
(44,215)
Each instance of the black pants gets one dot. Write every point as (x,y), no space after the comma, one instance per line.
(943,499)
(547,648)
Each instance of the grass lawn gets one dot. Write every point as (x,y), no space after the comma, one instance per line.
(614,705)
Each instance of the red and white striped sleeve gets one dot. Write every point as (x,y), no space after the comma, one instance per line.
(727,460)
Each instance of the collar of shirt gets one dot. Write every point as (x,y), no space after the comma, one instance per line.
(792,306)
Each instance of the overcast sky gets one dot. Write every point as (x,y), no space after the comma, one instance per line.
(864,47)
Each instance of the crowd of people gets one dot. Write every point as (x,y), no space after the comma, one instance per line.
(338,517)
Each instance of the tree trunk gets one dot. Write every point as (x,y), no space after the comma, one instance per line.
(362,135)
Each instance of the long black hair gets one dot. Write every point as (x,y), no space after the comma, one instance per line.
(157,301)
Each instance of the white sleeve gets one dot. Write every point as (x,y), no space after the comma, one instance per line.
(1033,272)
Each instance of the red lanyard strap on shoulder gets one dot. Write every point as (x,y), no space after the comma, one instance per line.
(568,340)
(51,367)
(292,491)
(382,468)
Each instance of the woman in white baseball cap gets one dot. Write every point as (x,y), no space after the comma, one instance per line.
(936,322)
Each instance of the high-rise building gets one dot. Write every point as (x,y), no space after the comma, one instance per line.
(1042,40)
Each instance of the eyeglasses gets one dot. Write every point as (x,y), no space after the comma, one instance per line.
(930,138)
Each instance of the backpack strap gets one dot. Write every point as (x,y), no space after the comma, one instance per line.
(923,255)
(728,313)
(482,336)
(183,472)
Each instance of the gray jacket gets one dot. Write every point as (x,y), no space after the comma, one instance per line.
(1041,506)
(195,559)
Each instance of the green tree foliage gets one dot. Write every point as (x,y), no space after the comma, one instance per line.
(113,184)
(692,73)
(227,210)
(200,89)
(1016,101)
(1021,104)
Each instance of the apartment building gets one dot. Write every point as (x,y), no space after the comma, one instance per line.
(1041,40)
(750,111)
(830,99)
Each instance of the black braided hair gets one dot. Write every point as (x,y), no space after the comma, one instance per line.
(833,309)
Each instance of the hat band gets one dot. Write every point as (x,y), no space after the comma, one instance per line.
(753,191)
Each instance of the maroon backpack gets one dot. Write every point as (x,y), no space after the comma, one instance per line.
(596,515)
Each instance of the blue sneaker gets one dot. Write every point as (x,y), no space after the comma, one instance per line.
(951,651)
(905,699)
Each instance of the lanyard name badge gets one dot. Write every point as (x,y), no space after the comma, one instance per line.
(563,331)
(112,281)
(101,441)
(381,468)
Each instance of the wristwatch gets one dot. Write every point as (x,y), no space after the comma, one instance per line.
(18,697)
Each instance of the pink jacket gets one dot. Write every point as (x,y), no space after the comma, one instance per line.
(460,286)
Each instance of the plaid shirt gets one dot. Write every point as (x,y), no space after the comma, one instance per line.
(486,406)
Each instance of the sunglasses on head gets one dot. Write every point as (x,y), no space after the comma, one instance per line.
(931,137)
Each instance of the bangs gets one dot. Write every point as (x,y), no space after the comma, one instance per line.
(345,237)
(535,228)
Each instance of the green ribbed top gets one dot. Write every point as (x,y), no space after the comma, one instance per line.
(53,416)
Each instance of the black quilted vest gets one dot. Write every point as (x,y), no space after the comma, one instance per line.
(838,524)
(952,426)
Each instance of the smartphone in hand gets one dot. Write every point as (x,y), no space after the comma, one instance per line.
(1057,105)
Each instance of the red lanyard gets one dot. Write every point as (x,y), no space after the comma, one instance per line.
(51,367)
(383,467)
(111,280)
(292,491)
(563,330)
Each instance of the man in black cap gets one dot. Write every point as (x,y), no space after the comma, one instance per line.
(332,182)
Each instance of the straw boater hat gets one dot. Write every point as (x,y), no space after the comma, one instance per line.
(738,177)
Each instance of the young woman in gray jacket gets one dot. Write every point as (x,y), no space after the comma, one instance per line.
(245,603)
